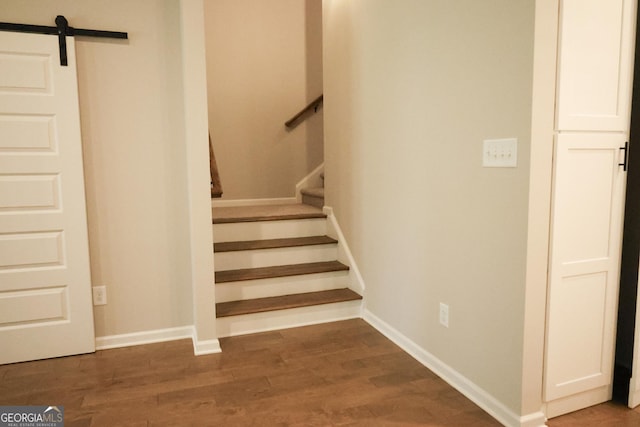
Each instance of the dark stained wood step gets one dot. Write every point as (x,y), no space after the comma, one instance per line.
(259,305)
(273,243)
(225,215)
(278,271)
(268,218)
(313,192)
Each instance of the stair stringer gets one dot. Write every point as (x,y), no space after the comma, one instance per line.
(356,282)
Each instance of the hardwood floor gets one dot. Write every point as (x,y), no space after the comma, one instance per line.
(608,414)
(343,373)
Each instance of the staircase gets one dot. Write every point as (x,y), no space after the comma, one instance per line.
(314,196)
(276,267)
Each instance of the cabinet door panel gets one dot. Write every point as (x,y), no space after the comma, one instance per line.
(595,63)
(585,257)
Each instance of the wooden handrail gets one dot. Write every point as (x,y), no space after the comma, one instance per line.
(299,118)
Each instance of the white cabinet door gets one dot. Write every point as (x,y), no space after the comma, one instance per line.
(585,257)
(45,290)
(595,64)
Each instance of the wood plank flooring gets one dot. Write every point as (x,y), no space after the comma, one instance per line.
(343,373)
(609,414)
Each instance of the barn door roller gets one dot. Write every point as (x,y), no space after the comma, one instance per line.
(62,30)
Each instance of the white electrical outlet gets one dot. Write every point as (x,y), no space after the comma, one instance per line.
(99,295)
(444,315)
(500,153)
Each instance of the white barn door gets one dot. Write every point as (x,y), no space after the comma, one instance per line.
(45,283)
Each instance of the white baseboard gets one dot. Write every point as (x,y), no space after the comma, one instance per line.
(344,253)
(536,419)
(159,335)
(144,337)
(480,397)
(203,347)
(252,202)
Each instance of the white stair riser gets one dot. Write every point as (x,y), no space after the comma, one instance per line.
(261,230)
(281,319)
(277,256)
(277,286)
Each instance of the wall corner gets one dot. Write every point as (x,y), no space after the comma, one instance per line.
(196,141)
(540,184)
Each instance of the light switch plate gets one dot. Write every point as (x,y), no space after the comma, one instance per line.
(444,314)
(500,153)
(99,295)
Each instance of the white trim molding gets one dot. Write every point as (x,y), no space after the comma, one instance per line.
(537,419)
(200,348)
(144,337)
(157,336)
(477,395)
(344,253)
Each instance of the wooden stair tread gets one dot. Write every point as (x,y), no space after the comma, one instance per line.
(278,271)
(272,243)
(259,305)
(225,215)
(313,192)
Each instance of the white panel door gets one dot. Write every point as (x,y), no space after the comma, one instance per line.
(45,290)
(595,64)
(585,258)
